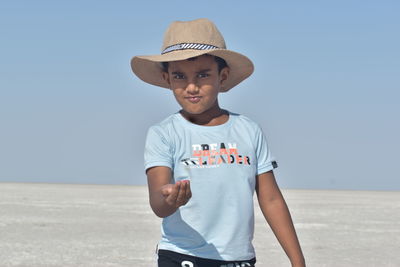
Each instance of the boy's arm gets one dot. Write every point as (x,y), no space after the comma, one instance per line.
(166,198)
(276,212)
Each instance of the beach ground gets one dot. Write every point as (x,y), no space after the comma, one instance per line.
(107,225)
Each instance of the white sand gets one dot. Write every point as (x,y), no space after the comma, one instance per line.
(98,225)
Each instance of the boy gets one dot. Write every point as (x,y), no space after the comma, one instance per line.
(204,163)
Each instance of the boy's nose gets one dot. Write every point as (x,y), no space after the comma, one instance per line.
(192,88)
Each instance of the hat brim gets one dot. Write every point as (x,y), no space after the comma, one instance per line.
(149,69)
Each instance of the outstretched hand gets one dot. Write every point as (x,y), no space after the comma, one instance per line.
(177,194)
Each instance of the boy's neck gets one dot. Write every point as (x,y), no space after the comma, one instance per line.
(216,117)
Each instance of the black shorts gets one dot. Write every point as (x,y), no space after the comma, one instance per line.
(168,258)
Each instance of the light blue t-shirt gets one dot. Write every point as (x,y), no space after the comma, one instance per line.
(222,163)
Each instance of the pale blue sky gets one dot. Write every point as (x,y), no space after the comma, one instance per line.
(325,89)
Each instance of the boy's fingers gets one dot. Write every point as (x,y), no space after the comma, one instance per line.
(188,191)
(181,199)
(177,194)
(187,194)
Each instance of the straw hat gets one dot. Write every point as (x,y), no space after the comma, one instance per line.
(187,39)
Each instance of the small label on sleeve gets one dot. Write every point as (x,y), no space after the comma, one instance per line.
(274,164)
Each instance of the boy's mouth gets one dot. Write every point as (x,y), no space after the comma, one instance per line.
(193,99)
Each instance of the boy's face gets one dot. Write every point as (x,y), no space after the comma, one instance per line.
(196,83)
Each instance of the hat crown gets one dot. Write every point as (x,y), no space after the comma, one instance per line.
(199,31)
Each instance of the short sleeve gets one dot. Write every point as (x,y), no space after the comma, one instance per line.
(157,150)
(265,161)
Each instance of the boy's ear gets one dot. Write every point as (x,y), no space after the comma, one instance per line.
(224,73)
(166,77)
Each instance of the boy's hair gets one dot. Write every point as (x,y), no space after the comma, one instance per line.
(220,62)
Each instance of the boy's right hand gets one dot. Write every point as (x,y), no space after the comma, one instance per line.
(166,198)
(177,194)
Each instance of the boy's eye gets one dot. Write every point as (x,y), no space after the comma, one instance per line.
(203,75)
(178,76)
